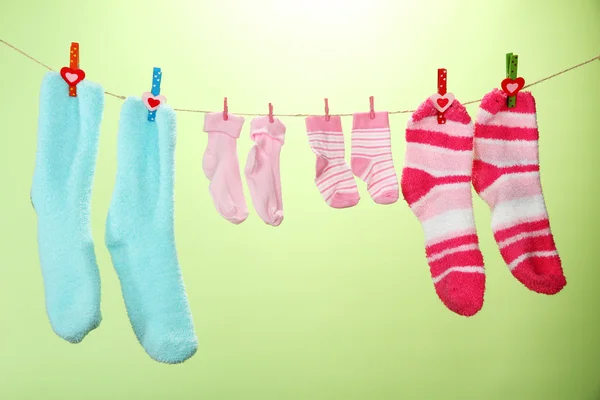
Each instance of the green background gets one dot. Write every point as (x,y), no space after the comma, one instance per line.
(333,304)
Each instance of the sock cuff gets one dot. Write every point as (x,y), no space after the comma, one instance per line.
(263,126)
(318,123)
(456,112)
(364,121)
(496,101)
(214,122)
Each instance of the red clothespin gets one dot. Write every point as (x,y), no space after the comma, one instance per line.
(271,113)
(442,100)
(372,107)
(73,74)
(225,110)
(327,116)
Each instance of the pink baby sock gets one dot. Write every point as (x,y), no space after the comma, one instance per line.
(221,167)
(371,158)
(506,176)
(262,169)
(436,184)
(334,178)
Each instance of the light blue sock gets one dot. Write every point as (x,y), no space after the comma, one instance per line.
(140,237)
(67,147)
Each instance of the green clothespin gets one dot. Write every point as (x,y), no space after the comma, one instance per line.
(512,84)
(512,63)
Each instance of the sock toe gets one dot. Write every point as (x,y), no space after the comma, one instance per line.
(388,197)
(541,275)
(344,200)
(73,324)
(276,218)
(462,293)
(233,214)
(172,347)
(237,216)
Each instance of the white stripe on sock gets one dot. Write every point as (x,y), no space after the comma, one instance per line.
(521,236)
(507,212)
(448,222)
(436,190)
(435,172)
(525,256)
(436,149)
(450,128)
(446,252)
(470,269)
(507,119)
(504,181)
(507,143)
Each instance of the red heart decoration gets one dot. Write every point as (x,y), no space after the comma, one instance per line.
(153,102)
(442,103)
(72,75)
(512,86)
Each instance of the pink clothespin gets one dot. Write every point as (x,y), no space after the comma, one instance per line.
(271,113)
(372,105)
(225,109)
(327,117)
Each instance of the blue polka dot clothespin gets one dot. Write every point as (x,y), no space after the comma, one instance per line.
(152,100)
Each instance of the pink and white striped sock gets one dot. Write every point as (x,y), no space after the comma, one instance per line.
(371,158)
(436,184)
(506,176)
(333,176)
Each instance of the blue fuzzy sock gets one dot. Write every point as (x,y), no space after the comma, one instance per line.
(67,146)
(140,237)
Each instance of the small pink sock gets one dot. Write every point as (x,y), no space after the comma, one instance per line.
(262,169)
(333,178)
(371,158)
(221,166)
(506,175)
(436,184)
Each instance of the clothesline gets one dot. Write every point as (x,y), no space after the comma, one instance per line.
(118,96)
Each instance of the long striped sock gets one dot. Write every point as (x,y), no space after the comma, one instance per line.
(333,176)
(506,176)
(436,184)
(371,158)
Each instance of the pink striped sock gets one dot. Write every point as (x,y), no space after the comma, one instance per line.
(506,176)
(333,178)
(371,158)
(436,184)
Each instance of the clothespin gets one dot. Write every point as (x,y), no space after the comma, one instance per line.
(512,84)
(153,99)
(271,113)
(225,110)
(372,107)
(442,100)
(327,116)
(73,74)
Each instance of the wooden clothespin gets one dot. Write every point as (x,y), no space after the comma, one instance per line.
(73,74)
(153,99)
(512,84)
